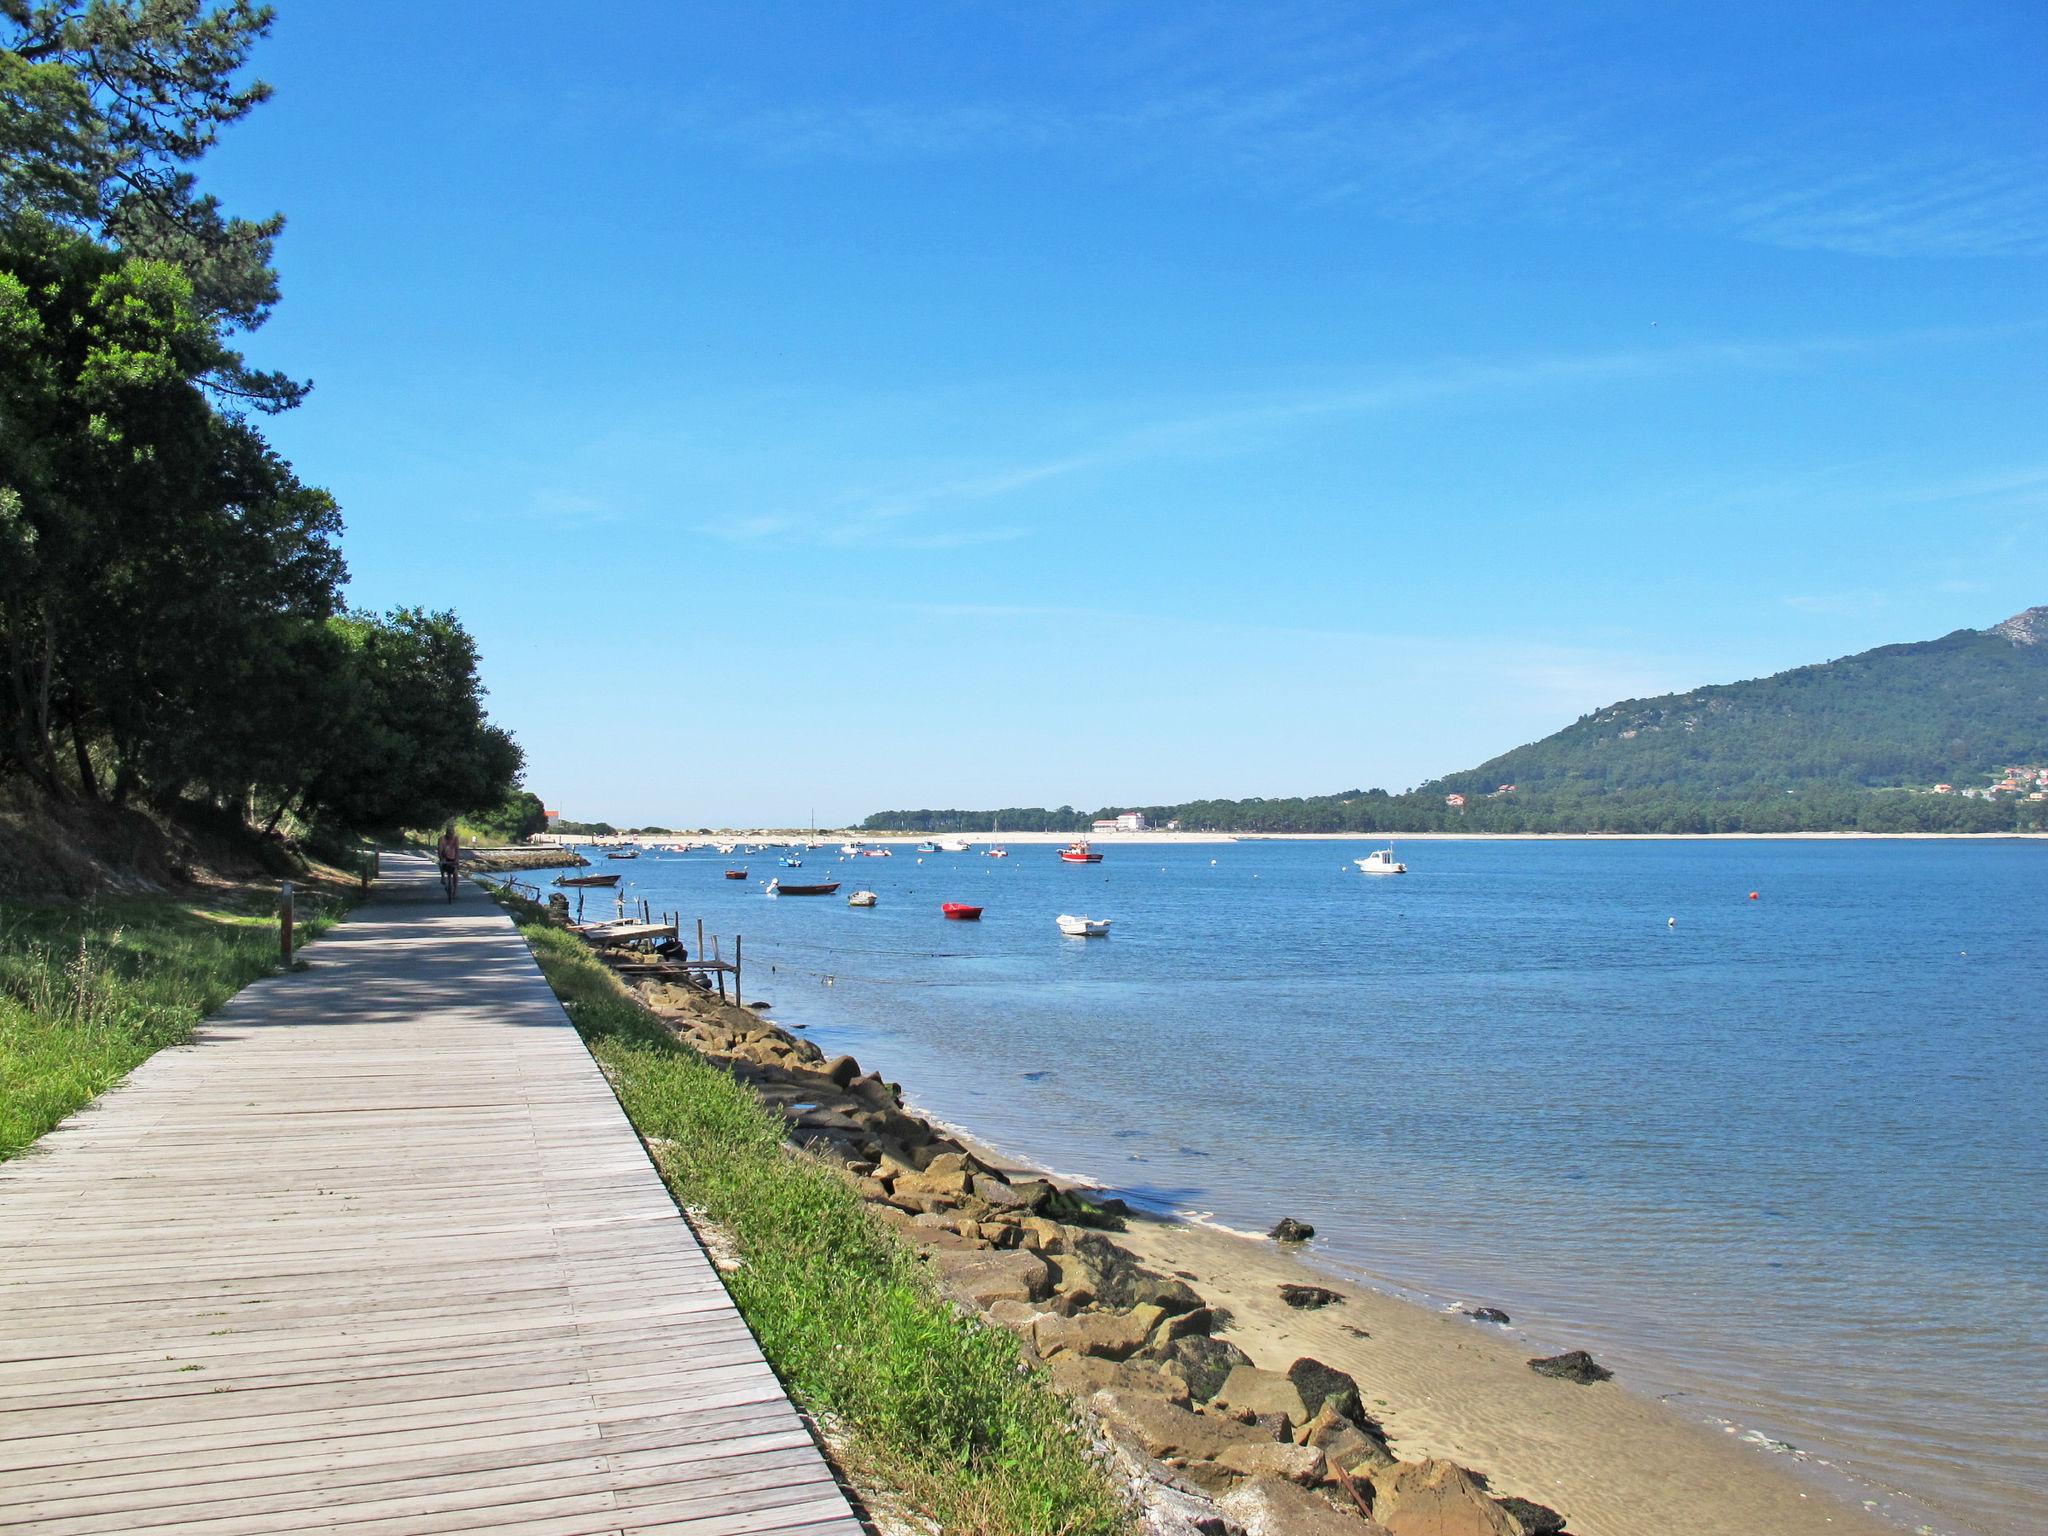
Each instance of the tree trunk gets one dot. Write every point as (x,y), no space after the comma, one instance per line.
(87,779)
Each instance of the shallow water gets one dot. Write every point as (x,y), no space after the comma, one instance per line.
(1782,1158)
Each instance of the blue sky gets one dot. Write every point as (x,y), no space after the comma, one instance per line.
(875,405)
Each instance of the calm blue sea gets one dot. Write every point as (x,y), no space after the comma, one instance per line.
(1783,1157)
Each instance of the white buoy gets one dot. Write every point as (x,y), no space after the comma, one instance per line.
(1670,922)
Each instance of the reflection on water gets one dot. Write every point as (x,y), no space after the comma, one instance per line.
(1783,1155)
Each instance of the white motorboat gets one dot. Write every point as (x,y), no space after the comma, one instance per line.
(1380,861)
(954,845)
(1084,927)
(862,899)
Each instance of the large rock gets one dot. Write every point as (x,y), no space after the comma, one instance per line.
(1247,1389)
(1436,1498)
(1323,1386)
(1271,1506)
(1120,1281)
(1573,1365)
(1307,1298)
(1276,1458)
(1169,1432)
(1084,1375)
(1203,1363)
(1348,1446)
(1288,1230)
(1531,1518)
(986,1275)
(1112,1335)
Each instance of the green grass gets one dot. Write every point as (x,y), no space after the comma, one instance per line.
(89,991)
(934,1403)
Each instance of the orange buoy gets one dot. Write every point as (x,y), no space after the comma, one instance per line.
(1752,895)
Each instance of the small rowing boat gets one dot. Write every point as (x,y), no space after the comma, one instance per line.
(1084,927)
(735,874)
(960,912)
(862,899)
(822,888)
(586,882)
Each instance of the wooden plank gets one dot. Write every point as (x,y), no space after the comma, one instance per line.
(379,1251)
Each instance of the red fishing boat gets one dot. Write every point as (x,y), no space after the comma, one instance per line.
(735,874)
(960,912)
(1078,852)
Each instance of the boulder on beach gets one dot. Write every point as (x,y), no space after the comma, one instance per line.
(1436,1498)
(1273,1506)
(982,1275)
(1203,1363)
(1121,1282)
(1573,1365)
(1535,1519)
(1288,1230)
(1486,1314)
(1324,1386)
(1307,1298)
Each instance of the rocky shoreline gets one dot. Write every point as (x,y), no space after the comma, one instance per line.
(1211,1437)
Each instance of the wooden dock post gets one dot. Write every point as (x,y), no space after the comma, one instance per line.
(284,923)
(700,939)
(721,974)
(736,940)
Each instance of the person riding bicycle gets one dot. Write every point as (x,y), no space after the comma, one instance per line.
(451,850)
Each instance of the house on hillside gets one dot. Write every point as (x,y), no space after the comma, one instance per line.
(1131,821)
(1944,789)
(1455,802)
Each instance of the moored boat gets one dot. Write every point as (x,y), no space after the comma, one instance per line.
(862,899)
(960,911)
(1078,852)
(1083,927)
(1380,861)
(736,874)
(927,846)
(587,882)
(822,888)
(623,853)
(997,852)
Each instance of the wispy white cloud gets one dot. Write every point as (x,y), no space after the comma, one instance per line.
(1442,116)
(945,507)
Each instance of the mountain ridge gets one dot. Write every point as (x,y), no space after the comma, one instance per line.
(1914,735)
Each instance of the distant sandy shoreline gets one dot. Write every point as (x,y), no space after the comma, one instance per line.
(1106,842)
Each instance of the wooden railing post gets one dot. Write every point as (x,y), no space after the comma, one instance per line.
(284,923)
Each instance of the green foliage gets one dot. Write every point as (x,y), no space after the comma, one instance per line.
(407,743)
(1829,747)
(520,816)
(935,1403)
(587,828)
(104,106)
(88,993)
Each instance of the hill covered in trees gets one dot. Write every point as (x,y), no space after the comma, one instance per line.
(1853,744)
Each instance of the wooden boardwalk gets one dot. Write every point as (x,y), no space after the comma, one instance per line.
(379,1253)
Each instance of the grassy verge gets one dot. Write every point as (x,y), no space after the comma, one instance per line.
(934,1404)
(89,991)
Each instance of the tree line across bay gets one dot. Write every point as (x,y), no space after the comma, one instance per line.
(172,625)
(1813,808)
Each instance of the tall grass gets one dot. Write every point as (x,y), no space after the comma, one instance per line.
(88,992)
(934,1403)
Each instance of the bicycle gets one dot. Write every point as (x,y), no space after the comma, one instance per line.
(450,878)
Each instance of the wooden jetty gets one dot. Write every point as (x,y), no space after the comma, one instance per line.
(379,1253)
